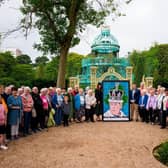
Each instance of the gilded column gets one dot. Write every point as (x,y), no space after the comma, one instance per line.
(73,81)
(129,71)
(149,81)
(93,78)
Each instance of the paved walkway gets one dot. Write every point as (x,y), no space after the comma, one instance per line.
(88,145)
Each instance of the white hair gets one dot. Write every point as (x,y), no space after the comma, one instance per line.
(43,90)
(20,89)
(27,88)
(34,88)
(50,88)
(69,89)
(58,89)
(90,91)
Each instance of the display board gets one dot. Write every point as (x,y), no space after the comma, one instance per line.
(116,100)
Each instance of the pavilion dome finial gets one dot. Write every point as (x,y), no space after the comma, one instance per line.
(105,43)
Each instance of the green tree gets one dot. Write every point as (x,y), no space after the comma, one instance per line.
(74,64)
(51,69)
(7,64)
(60,21)
(73,68)
(162,57)
(23,74)
(23,59)
(152,62)
(41,60)
(40,71)
(6,81)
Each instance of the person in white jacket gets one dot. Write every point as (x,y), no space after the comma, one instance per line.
(90,102)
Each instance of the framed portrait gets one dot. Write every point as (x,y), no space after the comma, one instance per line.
(116,100)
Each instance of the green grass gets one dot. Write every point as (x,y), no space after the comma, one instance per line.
(161,153)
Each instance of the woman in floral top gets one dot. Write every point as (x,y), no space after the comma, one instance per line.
(27,109)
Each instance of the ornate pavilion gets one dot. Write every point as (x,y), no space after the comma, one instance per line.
(103,63)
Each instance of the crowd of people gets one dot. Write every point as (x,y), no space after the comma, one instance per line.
(149,105)
(24,111)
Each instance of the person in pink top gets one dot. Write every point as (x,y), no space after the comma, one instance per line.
(45,104)
(27,109)
(151,106)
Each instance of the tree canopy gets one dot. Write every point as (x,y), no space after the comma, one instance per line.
(152,62)
(23,59)
(41,60)
(43,74)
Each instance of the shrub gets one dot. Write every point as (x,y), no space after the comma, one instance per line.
(161,153)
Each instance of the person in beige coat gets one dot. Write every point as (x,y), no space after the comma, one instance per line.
(90,101)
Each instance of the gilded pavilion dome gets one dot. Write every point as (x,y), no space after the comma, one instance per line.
(105,43)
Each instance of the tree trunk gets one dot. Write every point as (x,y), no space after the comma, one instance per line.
(74,8)
(62,66)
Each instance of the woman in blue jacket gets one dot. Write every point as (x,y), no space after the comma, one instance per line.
(57,101)
(15,107)
(79,101)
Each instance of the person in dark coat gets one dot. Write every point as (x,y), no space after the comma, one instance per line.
(66,108)
(39,110)
(99,101)
(163,116)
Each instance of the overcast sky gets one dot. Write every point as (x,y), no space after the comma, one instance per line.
(145,23)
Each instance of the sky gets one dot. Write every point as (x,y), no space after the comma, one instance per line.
(144,24)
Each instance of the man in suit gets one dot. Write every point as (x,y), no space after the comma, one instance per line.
(164,111)
(142,106)
(134,100)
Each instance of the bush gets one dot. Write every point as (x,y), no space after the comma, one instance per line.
(8,81)
(161,153)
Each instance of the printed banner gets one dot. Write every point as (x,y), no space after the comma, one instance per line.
(116,101)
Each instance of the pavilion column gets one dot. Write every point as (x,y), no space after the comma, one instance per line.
(73,81)
(149,81)
(129,71)
(93,78)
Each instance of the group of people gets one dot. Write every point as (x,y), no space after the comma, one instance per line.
(24,111)
(149,105)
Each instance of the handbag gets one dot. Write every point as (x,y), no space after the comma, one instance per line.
(34,113)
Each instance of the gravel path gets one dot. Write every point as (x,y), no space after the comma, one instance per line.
(87,145)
